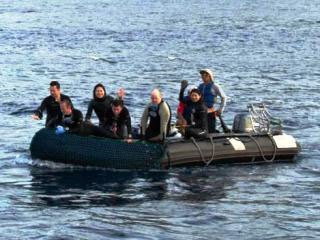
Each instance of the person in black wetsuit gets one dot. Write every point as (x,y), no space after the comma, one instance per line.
(51,104)
(117,121)
(70,119)
(195,113)
(100,102)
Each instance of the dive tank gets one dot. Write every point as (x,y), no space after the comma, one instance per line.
(242,123)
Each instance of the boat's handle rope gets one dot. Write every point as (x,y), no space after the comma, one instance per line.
(213,151)
(207,163)
(261,151)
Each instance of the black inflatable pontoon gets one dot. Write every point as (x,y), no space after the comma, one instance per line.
(251,141)
(109,153)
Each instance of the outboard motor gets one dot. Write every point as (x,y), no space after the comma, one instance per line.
(257,120)
(242,123)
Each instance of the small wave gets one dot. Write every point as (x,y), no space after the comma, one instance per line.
(173,58)
(22,111)
(96,58)
(28,11)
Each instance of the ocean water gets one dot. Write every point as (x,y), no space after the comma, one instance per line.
(260,51)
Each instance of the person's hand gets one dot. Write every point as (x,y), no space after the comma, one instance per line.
(129,140)
(121,93)
(184,84)
(114,129)
(218,112)
(35,117)
(87,122)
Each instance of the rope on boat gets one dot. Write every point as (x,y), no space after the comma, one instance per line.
(199,149)
(262,154)
(213,150)
(261,151)
(207,163)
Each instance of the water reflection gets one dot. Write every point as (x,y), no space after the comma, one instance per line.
(80,187)
(83,187)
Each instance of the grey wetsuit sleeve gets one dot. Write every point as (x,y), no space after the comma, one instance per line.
(219,92)
(164,113)
(144,120)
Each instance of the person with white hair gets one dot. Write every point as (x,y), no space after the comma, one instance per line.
(210,92)
(156,118)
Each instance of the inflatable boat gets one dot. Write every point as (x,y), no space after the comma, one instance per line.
(253,139)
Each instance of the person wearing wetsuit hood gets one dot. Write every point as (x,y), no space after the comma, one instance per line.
(100,103)
(156,118)
(210,92)
(195,113)
(51,104)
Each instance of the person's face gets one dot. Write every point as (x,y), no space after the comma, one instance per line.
(155,98)
(65,109)
(116,110)
(206,77)
(99,92)
(54,91)
(195,97)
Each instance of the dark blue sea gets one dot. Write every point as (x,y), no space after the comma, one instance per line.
(260,51)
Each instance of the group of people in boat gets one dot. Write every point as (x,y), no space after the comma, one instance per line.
(196,113)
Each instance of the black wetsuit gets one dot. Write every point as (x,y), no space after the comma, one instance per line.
(153,129)
(195,113)
(52,108)
(121,122)
(73,121)
(99,106)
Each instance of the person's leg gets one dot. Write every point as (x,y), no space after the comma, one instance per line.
(195,132)
(136,133)
(211,123)
(150,134)
(123,132)
(99,131)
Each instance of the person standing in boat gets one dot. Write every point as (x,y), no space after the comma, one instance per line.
(210,92)
(51,104)
(156,118)
(117,121)
(101,102)
(194,113)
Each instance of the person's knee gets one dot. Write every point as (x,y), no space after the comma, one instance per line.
(195,132)
(123,131)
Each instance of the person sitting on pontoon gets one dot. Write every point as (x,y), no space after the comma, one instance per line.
(71,118)
(117,121)
(194,113)
(156,118)
(101,102)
